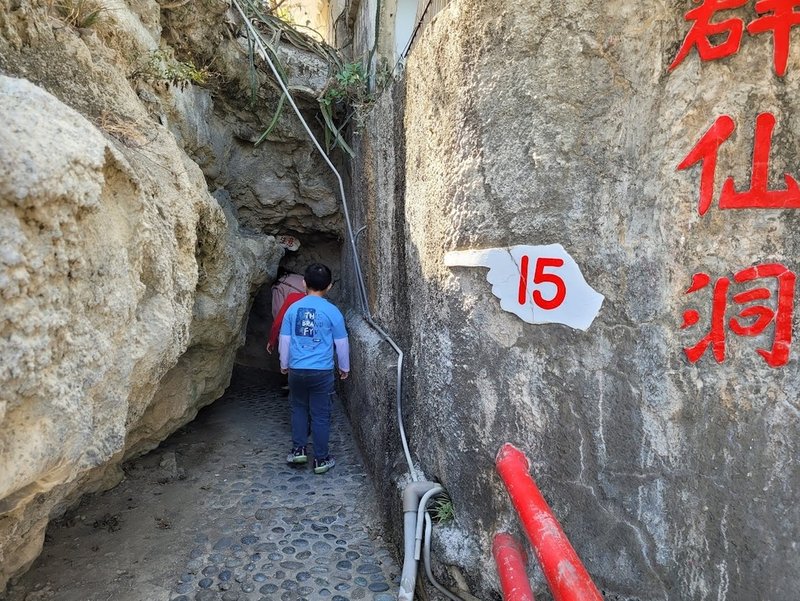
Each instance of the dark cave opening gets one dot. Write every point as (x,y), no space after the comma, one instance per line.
(314,248)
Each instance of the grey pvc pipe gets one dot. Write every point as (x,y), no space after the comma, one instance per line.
(419,493)
(412,495)
(423,505)
(408,578)
(426,555)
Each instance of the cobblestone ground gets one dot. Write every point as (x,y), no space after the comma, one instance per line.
(215,513)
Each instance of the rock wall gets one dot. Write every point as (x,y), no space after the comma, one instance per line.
(549,123)
(125,283)
(376,196)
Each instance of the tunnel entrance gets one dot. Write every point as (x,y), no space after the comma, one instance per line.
(314,248)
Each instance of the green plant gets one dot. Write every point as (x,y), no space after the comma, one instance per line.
(442,510)
(349,84)
(283,14)
(346,89)
(161,65)
(78,13)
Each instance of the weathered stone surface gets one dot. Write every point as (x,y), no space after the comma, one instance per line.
(125,285)
(559,123)
(280,186)
(276,187)
(121,293)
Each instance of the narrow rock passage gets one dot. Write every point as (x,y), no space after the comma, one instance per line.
(215,513)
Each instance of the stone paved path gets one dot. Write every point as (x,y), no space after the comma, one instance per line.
(215,513)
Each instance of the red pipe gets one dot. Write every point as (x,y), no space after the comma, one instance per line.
(510,559)
(565,574)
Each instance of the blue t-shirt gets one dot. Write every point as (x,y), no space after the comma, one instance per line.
(313,324)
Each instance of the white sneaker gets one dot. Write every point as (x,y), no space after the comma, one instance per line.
(323,465)
(297,455)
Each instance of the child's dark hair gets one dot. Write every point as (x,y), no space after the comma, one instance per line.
(318,277)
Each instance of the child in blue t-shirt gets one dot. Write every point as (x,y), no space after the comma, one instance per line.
(312,328)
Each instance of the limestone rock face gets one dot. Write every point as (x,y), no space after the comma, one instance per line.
(283,185)
(275,187)
(120,294)
(559,123)
(124,283)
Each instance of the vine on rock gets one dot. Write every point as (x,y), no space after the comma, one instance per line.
(346,92)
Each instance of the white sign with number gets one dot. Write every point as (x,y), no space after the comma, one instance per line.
(539,284)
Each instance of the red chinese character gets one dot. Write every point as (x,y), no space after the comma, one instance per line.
(706,151)
(780,23)
(763,316)
(716,335)
(779,354)
(759,196)
(702,29)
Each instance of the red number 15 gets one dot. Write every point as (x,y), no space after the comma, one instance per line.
(540,277)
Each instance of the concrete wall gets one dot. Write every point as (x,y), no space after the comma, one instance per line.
(560,123)
(313,14)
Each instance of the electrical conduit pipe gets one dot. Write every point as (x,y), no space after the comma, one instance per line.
(565,574)
(422,506)
(510,560)
(426,555)
(412,498)
(409,528)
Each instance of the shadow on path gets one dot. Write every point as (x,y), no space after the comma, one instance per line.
(215,513)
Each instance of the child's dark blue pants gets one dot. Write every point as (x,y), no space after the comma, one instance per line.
(311,391)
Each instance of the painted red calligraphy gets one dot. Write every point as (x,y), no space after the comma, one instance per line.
(775,16)
(779,353)
(780,17)
(706,152)
(701,32)
(751,320)
(716,335)
(759,196)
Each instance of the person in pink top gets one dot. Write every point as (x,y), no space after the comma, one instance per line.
(272,342)
(285,284)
